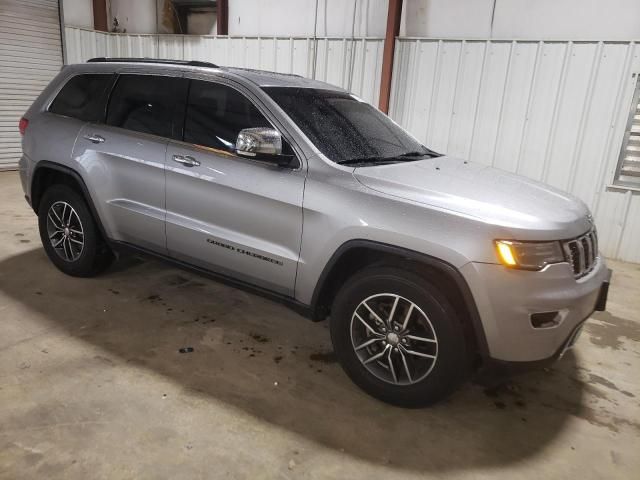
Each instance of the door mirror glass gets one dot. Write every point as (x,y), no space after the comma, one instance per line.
(259,142)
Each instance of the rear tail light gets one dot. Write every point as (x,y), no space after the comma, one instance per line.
(24,123)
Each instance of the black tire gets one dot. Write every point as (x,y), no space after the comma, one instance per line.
(94,256)
(450,366)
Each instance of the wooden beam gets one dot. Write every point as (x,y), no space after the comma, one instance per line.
(100,15)
(393,30)
(223,17)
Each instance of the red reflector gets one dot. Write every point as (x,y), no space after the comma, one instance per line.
(24,123)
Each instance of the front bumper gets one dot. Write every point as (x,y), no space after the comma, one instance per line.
(506,299)
(25,167)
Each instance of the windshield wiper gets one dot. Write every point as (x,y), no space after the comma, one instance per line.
(375,159)
(427,153)
(405,157)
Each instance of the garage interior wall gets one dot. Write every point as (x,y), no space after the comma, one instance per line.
(522,19)
(549,108)
(332,18)
(30,56)
(468,19)
(78,13)
(325,18)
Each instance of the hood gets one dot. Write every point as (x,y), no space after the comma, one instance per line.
(485,193)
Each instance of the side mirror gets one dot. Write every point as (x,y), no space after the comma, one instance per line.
(262,143)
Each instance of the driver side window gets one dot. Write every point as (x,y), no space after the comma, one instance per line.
(216,113)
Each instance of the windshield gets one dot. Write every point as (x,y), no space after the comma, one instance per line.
(346,129)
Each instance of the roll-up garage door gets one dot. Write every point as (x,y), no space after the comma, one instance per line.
(30,56)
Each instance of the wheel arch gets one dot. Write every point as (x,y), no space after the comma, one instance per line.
(357,254)
(49,173)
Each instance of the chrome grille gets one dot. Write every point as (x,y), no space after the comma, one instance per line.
(582,252)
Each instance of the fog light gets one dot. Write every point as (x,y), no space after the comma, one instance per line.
(545,319)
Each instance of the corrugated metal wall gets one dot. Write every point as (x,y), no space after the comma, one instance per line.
(351,63)
(30,56)
(551,110)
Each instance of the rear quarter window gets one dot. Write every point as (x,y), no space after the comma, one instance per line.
(83,97)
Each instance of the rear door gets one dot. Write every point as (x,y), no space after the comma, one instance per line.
(229,214)
(52,134)
(125,157)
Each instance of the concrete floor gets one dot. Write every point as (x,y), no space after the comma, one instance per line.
(92,386)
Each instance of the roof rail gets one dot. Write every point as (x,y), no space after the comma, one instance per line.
(189,63)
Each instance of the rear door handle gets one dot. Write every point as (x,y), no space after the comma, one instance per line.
(186,160)
(94,138)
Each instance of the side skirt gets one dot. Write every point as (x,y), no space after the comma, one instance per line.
(300,308)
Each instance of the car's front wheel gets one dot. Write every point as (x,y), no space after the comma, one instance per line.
(69,233)
(398,337)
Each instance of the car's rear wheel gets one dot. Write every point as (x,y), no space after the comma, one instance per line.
(398,337)
(69,233)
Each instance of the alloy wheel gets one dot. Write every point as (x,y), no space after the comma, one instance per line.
(394,339)
(65,231)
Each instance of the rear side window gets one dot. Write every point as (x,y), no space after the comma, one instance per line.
(216,114)
(144,103)
(83,97)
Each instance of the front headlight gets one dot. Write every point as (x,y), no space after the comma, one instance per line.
(529,255)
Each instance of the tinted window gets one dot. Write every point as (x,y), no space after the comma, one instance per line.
(143,103)
(83,97)
(216,114)
(346,129)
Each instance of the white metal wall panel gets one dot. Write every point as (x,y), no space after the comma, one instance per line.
(600,112)
(30,56)
(367,68)
(551,110)
(132,45)
(170,46)
(545,82)
(517,95)
(491,102)
(444,95)
(467,92)
(352,63)
(629,244)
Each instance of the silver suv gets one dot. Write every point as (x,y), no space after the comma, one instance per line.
(428,266)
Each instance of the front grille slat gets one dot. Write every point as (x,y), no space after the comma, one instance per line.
(581,259)
(587,252)
(589,249)
(582,253)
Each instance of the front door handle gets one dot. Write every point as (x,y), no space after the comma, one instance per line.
(186,160)
(94,138)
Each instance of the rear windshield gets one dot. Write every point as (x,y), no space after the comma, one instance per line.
(346,129)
